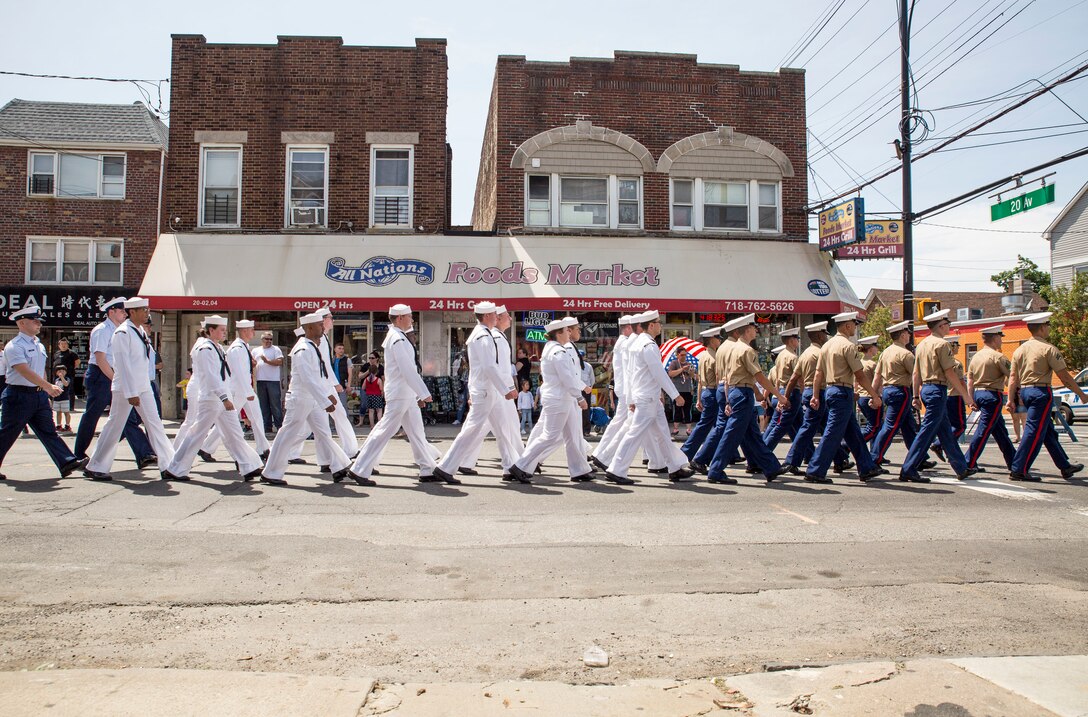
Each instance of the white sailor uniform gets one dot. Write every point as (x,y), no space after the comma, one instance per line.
(243,396)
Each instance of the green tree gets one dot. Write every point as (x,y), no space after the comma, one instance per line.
(1069,324)
(877,322)
(1032,273)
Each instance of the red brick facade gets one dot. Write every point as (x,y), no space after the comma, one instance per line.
(306,85)
(132,219)
(656,99)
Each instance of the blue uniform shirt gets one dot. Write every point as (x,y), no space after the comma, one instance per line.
(102,340)
(24,349)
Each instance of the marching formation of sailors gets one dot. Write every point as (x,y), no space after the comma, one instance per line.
(807,393)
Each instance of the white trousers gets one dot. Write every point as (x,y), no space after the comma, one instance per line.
(606,450)
(557,425)
(399,413)
(298,420)
(490,411)
(648,428)
(252,407)
(203,414)
(106,448)
(319,423)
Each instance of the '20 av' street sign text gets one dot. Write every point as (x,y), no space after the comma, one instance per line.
(1016,205)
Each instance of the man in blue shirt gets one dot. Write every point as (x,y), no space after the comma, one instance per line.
(25,400)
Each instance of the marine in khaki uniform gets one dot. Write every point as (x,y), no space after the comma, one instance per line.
(874,417)
(957,411)
(707,402)
(838,368)
(934,373)
(1034,364)
(893,380)
(813,420)
(740,372)
(986,376)
(786,422)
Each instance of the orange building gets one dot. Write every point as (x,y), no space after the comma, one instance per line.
(1015,331)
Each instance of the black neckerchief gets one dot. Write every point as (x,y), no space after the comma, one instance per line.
(320,361)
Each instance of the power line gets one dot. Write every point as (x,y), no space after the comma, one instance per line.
(151,85)
(1014,131)
(811,34)
(994,231)
(834,35)
(1012,141)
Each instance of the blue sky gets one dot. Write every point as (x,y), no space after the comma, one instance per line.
(963,50)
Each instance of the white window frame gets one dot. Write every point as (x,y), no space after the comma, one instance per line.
(698,205)
(374,148)
(324,148)
(56,155)
(92,254)
(672,202)
(612,201)
(551,200)
(200,185)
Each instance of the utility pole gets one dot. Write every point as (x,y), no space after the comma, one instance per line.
(904,140)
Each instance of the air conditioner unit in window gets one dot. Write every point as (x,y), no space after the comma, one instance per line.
(968,314)
(305,216)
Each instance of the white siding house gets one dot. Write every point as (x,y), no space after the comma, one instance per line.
(1068,237)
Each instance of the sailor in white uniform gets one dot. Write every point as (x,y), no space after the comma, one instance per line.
(131,352)
(491,390)
(243,394)
(209,404)
(606,447)
(308,393)
(405,395)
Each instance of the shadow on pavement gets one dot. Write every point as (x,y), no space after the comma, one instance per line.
(40,485)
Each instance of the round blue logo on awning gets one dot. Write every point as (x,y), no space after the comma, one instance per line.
(819,288)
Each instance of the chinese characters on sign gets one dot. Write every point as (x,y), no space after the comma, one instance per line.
(61,306)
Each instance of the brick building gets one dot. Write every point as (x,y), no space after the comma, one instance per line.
(79,194)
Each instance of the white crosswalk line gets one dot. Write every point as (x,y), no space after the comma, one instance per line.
(1002,490)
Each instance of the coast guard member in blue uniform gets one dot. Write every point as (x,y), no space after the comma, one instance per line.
(25,400)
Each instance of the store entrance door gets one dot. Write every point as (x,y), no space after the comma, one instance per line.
(458,337)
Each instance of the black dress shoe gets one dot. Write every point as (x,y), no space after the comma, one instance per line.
(272,481)
(679,475)
(939,452)
(1024,477)
(793,470)
(360,480)
(699,467)
(340,475)
(430,478)
(870,474)
(843,467)
(737,461)
(927,465)
(774,474)
(297,461)
(95,475)
(252,475)
(324,469)
(913,478)
(147,461)
(69,468)
(817,479)
(585,477)
(1072,470)
(375,472)
(264,456)
(752,470)
(539,468)
(980,469)
(3,477)
(597,462)
(206,457)
(167,475)
(618,480)
(885,462)
(722,480)
(519,475)
(468,471)
(967,473)
(657,471)
(443,475)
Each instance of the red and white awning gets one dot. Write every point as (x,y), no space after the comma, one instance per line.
(367,272)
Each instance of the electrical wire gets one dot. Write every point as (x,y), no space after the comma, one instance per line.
(813,30)
(1009,141)
(145,87)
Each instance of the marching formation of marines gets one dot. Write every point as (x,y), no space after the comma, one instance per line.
(815,392)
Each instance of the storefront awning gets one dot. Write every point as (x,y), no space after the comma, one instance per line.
(364,272)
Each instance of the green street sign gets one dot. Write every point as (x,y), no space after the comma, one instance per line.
(1016,205)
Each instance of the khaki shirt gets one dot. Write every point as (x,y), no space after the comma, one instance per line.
(708,369)
(806,365)
(869,367)
(839,361)
(720,357)
(741,366)
(1035,362)
(784,365)
(934,357)
(988,370)
(896,366)
(772,375)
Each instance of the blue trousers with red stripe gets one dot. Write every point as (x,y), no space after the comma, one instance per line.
(1038,430)
(990,422)
(898,417)
(934,425)
(873,418)
(957,417)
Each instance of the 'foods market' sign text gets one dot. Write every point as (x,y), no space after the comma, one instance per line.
(556,275)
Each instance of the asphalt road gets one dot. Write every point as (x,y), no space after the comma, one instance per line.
(485,581)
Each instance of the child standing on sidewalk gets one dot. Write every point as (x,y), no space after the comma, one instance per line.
(61,404)
(525,408)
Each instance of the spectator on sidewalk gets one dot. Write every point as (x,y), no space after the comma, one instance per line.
(269,361)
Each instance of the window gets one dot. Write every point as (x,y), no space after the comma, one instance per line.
(220,186)
(715,205)
(540,200)
(81,176)
(74,261)
(605,202)
(682,203)
(391,182)
(307,186)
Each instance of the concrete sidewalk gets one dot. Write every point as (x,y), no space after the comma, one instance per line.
(1006,686)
